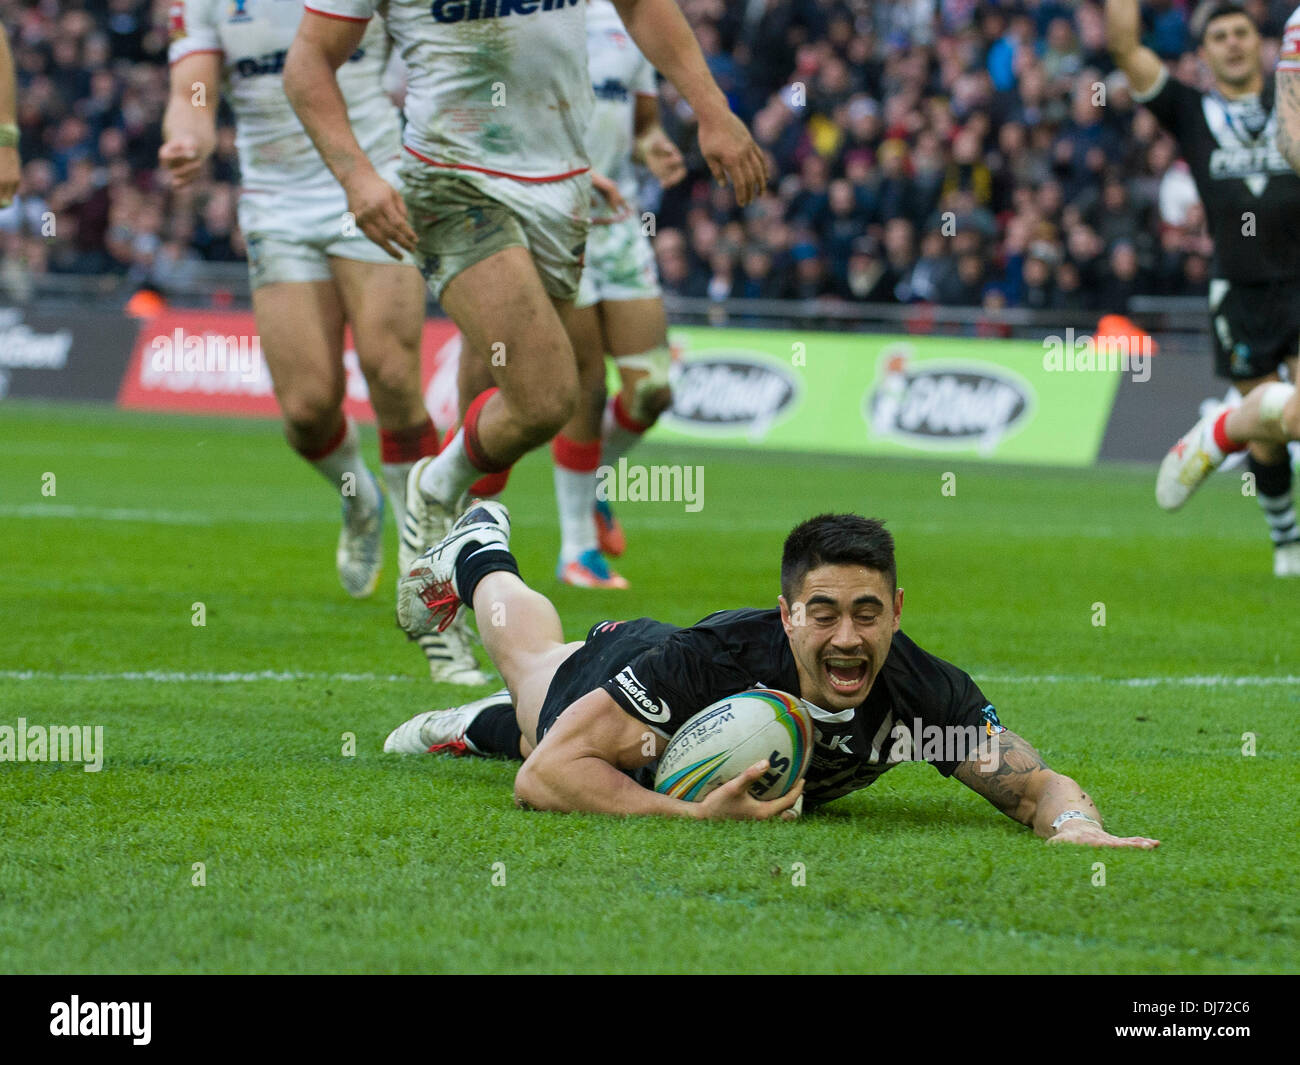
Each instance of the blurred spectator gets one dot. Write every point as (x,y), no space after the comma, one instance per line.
(997,129)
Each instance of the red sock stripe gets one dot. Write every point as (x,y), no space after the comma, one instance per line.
(331,446)
(571,455)
(408,445)
(473,449)
(626,420)
(1221,439)
(491,484)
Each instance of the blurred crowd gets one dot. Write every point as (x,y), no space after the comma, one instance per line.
(964,152)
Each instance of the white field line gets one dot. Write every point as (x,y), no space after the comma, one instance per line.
(162,676)
(159,676)
(658,521)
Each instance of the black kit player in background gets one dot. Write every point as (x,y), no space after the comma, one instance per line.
(1252,204)
(590,717)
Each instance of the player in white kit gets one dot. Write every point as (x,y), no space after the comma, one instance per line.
(309,265)
(496,192)
(619,310)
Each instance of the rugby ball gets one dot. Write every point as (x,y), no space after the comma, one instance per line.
(725,739)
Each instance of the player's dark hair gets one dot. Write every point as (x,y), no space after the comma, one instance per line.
(836,540)
(1214,9)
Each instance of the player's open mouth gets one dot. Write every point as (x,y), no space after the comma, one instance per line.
(846,674)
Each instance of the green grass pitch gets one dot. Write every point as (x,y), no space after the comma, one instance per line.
(224,743)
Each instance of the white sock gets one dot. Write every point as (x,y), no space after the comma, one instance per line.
(575,496)
(346,470)
(448,476)
(394,474)
(615,440)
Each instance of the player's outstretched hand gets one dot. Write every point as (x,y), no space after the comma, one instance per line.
(1087,835)
(733,802)
(733,156)
(181,159)
(380,211)
(663,159)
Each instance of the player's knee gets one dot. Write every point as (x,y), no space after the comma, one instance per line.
(548,413)
(394,391)
(310,413)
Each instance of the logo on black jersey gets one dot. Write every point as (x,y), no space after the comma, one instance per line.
(628,683)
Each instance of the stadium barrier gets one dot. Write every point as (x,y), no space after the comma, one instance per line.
(1050,398)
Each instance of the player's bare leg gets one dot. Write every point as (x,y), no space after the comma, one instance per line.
(636,336)
(501,309)
(301,329)
(472,565)
(576,452)
(385,308)
(384,304)
(1269,415)
(1270,466)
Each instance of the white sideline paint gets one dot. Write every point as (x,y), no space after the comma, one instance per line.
(158,676)
(693,522)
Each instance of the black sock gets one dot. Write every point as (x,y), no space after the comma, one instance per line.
(477,562)
(1273,488)
(495,732)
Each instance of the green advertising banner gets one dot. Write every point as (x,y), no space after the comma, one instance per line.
(998,400)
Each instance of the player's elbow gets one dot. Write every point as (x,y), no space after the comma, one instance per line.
(532,786)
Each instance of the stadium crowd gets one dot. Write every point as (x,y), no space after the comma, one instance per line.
(965,153)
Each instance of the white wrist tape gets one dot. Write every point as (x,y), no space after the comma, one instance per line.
(1074,815)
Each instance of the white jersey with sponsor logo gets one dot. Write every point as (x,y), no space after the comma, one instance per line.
(253,37)
(619,74)
(494,86)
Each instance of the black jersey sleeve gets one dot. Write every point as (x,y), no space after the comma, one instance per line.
(1174,104)
(666,684)
(940,706)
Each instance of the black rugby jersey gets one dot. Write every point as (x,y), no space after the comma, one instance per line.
(662,675)
(1250,193)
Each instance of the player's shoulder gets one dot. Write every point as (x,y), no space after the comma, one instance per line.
(746,620)
(909,665)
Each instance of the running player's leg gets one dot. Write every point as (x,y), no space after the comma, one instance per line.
(300,324)
(636,336)
(384,305)
(473,378)
(576,451)
(1270,465)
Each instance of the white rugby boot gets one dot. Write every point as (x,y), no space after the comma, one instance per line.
(1286,560)
(427,597)
(426,521)
(1189,462)
(441,731)
(360,553)
(450,655)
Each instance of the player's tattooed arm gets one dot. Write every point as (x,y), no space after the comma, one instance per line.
(1288,116)
(1011,776)
(1015,779)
